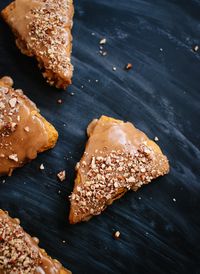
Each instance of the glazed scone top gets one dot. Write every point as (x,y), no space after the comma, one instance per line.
(117,157)
(22,129)
(19,252)
(46,28)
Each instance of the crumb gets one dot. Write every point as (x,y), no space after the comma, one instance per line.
(117,234)
(63,241)
(72,93)
(174,199)
(104,53)
(128,66)
(41,167)
(114,68)
(139,198)
(59,191)
(195,48)
(93,33)
(96,81)
(156,139)
(103,41)
(59,101)
(61,175)
(161,49)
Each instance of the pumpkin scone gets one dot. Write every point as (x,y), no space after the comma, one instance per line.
(43,30)
(23,131)
(20,253)
(117,158)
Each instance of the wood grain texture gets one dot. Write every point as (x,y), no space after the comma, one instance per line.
(160,95)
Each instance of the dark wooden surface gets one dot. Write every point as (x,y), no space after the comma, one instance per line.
(160,224)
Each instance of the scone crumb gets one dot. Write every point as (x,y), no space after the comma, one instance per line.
(103,41)
(196,48)
(117,234)
(42,167)
(62,175)
(156,139)
(128,66)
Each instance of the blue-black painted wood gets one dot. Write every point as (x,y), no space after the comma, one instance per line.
(160,95)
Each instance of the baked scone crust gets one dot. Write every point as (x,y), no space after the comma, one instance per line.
(118,157)
(20,253)
(23,131)
(43,30)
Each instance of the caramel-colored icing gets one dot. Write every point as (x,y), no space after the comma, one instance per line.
(100,180)
(41,264)
(22,129)
(107,135)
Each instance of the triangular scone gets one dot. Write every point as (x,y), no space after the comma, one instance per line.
(43,29)
(118,157)
(23,131)
(20,253)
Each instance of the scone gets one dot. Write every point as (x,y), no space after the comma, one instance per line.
(118,157)
(23,131)
(20,253)
(43,30)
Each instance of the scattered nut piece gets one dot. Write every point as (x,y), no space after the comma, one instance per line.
(114,68)
(41,167)
(59,101)
(156,139)
(128,66)
(196,48)
(104,53)
(103,41)
(61,175)
(2,105)
(117,234)
(12,102)
(13,157)
(27,129)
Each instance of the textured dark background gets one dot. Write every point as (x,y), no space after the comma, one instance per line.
(160,95)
